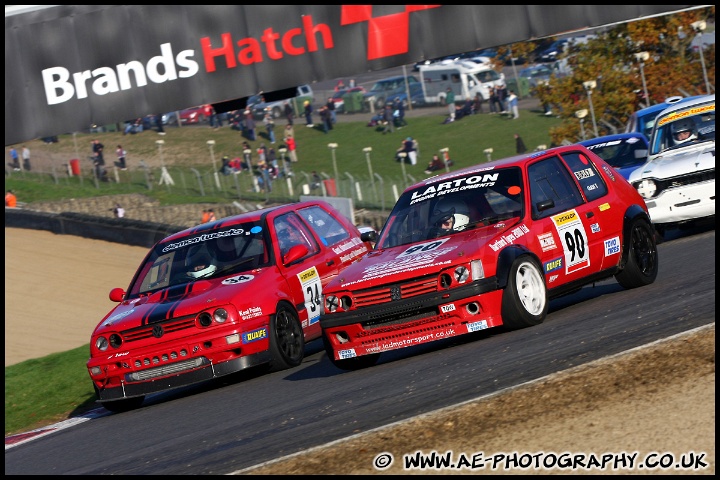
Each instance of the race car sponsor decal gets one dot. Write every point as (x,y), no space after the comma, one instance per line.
(594,227)
(447,308)
(346,246)
(413,258)
(251,312)
(552,278)
(349,353)
(612,246)
(423,248)
(312,292)
(574,240)
(118,316)
(553,265)
(410,340)
(687,113)
(237,279)
(205,237)
(609,172)
(454,185)
(604,206)
(477,326)
(255,335)
(355,253)
(584,173)
(510,237)
(547,241)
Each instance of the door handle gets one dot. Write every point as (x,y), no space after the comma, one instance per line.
(330,262)
(589,214)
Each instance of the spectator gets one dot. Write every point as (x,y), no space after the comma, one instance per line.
(388,119)
(400,109)
(502,94)
(225,169)
(450,102)
(519,145)
(205,216)
(211,215)
(291,148)
(289,131)
(159,124)
(407,147)
(118,211)
(477,105)
(495,106)
(26,157)
(289,114)
(315,181)
(308,109)
(10,199)
(98,160)
(120,163)
(512,102)
(269,126)
(14,159)
(250,133)
(331,108)
(435,164)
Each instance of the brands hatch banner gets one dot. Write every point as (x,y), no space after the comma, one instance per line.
(69,67)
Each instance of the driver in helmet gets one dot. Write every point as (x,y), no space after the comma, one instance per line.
(449,215)
(683,131)
(199,264)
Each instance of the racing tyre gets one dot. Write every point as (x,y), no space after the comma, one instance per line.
(287,341)
(525,299)
(641,267)
(357,363)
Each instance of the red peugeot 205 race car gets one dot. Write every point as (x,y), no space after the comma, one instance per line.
(488,246)
(221,297)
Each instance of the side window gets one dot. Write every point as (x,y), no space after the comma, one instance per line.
(551,180)
(325,225)
(591,182)
(455,78)
(290,231)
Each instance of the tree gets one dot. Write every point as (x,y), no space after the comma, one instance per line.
(673,68)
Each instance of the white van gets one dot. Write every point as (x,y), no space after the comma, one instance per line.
(463,77)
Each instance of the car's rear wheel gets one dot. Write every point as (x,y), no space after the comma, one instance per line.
(356,363)
(287,341)
(525,299)
(641,267)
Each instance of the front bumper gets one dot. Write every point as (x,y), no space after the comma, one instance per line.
(683,203)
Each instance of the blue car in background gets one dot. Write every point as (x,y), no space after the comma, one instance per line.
(623,151)
(643,120)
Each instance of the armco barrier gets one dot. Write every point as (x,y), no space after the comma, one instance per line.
(119,230)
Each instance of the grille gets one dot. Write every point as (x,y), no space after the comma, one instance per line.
(683,180)
(388,293)
(146,331)
(170,369)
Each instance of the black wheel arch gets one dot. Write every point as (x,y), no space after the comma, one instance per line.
(633,213)
(505,260)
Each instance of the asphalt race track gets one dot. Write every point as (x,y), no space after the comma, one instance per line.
(229,425)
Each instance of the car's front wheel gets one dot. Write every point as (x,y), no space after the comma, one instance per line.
(641,267)
(525,299)
(287,341)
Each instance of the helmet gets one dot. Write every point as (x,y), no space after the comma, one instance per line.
(682,126)
(199,263)
(451,207)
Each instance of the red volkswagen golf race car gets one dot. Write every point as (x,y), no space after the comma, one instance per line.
(221,297)
(488,246)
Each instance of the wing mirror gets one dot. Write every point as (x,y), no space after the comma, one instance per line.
(295,253)
(117,294)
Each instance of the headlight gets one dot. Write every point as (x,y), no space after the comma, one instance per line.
(101,343)
(332,303)
(646,188)
(220,315)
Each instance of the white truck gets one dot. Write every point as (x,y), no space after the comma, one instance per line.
(276,106)
(465,78)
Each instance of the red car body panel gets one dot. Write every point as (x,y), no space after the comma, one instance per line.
(407,293)
(160,339)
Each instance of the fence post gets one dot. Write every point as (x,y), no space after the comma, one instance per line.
(200,182)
